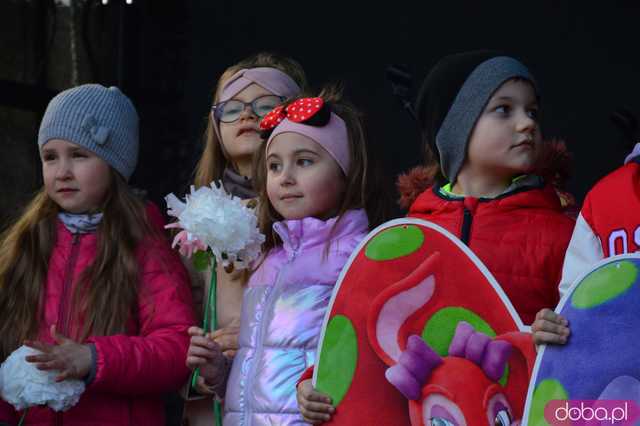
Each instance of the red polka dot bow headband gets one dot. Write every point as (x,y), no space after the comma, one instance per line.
(297,112)
(311,117)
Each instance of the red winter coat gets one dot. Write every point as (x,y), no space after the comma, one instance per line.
(135,369)
(520,236)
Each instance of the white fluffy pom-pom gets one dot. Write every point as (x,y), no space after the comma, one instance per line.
(221,222)
(24,386)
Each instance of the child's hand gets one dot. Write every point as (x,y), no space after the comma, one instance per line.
(206,355)
(550,328)
(71,359)
(227,339)
(202,388)
(315,407)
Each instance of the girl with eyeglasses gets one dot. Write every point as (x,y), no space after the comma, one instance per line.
(245,92)
(315,206)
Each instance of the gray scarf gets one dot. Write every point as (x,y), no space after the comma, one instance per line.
(238,185)
(80,223)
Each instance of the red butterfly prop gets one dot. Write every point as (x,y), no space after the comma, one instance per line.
(298,111)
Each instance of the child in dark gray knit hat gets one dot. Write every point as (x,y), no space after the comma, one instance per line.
(87,279)
(478,113)
(455,109)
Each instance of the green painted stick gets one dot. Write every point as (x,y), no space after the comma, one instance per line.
(210,319)
(24,415)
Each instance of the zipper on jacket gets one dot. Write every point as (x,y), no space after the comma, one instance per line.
(259,346)
(469,208)
(63,315)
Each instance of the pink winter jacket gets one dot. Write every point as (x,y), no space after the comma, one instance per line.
(133,370)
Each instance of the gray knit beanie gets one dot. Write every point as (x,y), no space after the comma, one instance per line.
(100,119)
(453,97)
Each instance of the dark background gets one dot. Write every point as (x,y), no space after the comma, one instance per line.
(167,55)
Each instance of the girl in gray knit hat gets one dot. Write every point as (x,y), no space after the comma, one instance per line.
(87,279)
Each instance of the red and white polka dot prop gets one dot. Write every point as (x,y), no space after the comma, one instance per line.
(298,112)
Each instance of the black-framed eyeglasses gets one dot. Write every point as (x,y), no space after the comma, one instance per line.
(229,111)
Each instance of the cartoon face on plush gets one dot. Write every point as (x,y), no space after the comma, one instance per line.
(459,393)
(440,409)
(460,389)
(417,320)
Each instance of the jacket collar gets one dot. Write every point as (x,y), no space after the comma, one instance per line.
(518,183)
(543,196)
(301,234)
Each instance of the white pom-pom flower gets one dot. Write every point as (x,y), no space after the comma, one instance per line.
(219,221)
(24,386)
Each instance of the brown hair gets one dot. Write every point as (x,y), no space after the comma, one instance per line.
(212,161)
(107,292)
(359,181)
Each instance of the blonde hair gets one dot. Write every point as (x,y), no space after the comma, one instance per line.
(213,161)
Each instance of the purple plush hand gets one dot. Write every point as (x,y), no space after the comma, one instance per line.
(413,367)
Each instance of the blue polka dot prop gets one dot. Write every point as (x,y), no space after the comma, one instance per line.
(601,360)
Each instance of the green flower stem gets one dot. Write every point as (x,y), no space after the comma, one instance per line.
(24,416)
(211,323)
